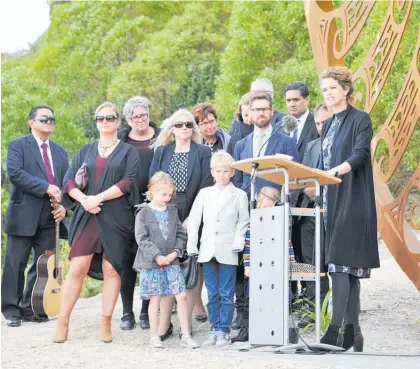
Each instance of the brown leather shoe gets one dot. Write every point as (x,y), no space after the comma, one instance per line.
(105,334)
(61,330)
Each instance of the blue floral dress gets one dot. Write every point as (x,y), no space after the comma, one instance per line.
(326,157)
(163,281)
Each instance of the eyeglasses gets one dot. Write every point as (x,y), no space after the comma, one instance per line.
(45,119)
(140,117)
(261,110)
(209,122)
(186,124)
(108,118)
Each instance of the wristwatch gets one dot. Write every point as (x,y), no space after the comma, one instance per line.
(336,173)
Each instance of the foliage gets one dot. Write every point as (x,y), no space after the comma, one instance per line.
(179,54)
(325,314)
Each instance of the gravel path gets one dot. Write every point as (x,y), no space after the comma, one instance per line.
(390,304)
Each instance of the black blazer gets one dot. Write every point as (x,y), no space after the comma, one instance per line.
(198,163)
(309,133)
(29,180)
(351,231)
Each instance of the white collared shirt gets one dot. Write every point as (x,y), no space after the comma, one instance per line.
(257,132)
(39,143)
(301,124)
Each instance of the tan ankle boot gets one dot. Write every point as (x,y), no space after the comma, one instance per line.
(105,334)
(61,330)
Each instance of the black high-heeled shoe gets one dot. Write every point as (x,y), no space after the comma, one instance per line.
(358,340)
(352,337)
(333,336)
(168,333)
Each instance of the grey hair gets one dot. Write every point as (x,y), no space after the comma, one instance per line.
(268,85)
(320,106)
(135,102)
(166,135)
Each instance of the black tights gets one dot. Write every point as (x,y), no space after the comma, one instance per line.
(128,283)
(346,299)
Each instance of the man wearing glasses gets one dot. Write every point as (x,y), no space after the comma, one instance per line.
(206,118)
(266,140)
(36,167)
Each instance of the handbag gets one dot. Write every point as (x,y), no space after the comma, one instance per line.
(189,267)
(81,179)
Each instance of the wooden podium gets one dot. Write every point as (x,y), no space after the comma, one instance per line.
(290,175)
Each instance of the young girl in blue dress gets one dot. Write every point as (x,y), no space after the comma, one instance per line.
(161,239)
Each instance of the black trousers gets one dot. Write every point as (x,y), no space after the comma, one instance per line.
(307,255)
(240,285)
(15,293)
(128,283)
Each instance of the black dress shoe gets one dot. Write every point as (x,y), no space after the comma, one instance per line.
(201,318)
(168,333)
(35,318)
(144,321)
(127,322)
(237,322)
(242,336)
(14,321)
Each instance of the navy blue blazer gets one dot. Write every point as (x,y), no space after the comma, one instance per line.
(29,180)
(198,162)
(278,144)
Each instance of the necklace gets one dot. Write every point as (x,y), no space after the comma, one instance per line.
(103,148)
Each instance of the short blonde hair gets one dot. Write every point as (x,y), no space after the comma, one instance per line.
(221,159)
(270,193)
(160,178)
(108,105)
(167,136)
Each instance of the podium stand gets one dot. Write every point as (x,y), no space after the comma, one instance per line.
(267,224)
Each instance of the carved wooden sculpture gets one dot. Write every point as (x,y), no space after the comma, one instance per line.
(332,33)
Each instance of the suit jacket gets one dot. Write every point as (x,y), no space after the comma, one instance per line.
(198,162)
(308,134)
(150,239)
(225,221)
(310,159)
(29,180)
(277,144)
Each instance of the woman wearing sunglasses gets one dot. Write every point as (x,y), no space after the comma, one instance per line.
(179,153)
(101,184)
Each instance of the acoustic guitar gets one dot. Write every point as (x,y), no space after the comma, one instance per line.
(46,295)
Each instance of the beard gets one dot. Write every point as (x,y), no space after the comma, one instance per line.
(262,123)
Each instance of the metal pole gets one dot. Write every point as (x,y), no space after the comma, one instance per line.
(317,262)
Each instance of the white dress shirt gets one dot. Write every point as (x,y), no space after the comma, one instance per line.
(257,133)
(301,124)
(39,143)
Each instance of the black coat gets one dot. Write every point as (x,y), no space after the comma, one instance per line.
(244,130)
(115,221)
(198,171)
(351,234)
(308,134)
(29,180)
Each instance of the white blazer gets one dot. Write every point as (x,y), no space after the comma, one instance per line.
(225,220)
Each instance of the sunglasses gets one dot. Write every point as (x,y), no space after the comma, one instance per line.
(46,119)
(186,124)
(108,118)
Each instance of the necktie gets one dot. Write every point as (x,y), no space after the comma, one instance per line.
(47,163)
(295,132)
(260,142)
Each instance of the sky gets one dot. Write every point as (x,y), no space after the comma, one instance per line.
(21,23)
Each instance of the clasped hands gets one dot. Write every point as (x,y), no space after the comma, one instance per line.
(92,204)
(59,212)
(166,260)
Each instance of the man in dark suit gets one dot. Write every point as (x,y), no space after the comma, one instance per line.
(264,141)
(258,86)
(36,167)
(297,102)
(304,228)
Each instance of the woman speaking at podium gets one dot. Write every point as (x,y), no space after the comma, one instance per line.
(351,244)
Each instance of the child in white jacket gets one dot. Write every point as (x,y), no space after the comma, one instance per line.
(223,209)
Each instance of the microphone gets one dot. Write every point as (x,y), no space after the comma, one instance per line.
(289,123)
